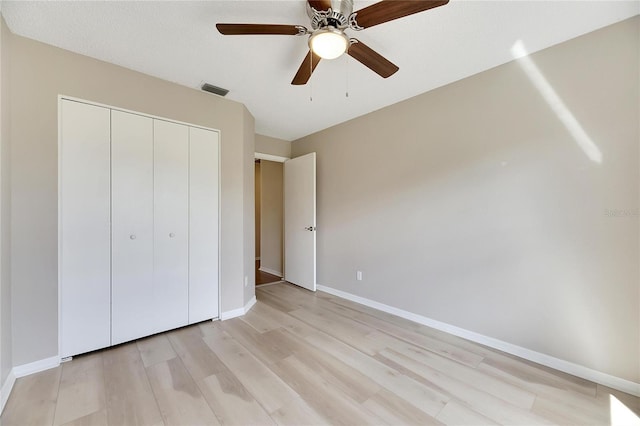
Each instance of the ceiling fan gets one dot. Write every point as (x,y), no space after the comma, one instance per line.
(327,38)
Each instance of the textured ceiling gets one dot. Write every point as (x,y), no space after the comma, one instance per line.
(177,41)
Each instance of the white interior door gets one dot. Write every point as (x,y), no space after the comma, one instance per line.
(132,308)
(171,224)
(300,221)
(85,228)
(203,224)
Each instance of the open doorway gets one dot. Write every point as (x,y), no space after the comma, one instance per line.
(269,221)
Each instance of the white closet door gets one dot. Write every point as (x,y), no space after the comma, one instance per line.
(132,314)
(171,224)
(203,225)
(85,269)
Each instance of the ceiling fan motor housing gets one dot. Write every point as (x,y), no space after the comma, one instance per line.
(337,16)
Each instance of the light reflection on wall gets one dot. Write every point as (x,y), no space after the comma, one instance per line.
(555,102)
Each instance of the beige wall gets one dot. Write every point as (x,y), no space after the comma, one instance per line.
(5,206)
(475,206)
(272,215)
(39,74)
(257,200)
(273,146)
(248,208)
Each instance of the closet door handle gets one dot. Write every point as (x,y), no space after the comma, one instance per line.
(132,237)
(171,235)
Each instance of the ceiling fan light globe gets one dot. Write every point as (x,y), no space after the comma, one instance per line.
(328,43)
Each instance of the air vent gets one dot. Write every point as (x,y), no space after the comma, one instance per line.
(214,89)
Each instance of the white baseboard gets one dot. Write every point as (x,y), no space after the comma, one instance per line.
(36,366)
(24,370)
(238,312)
(581,371)
(271,271)
(250,304)
(5,391)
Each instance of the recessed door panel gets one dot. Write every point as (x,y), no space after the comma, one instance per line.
(85,245)
(171,225)
(203,225)
(133,313)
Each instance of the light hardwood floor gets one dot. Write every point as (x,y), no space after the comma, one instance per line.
(303,358)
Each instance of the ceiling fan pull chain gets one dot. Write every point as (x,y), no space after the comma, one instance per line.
(310,80)
(346,58)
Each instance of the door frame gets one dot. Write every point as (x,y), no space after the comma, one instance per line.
(276,159)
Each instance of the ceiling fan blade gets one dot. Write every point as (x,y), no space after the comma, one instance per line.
(306,69)
(388,10)
(371,59)
(273,29)
(320,4)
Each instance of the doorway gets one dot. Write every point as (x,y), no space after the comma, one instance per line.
(269,223)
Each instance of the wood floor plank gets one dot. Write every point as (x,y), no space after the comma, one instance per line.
(487,383)
(263,348)
(342,377)
(260,323)
(445,349)
(562,412)
(406,324)
(488,405)
(178,396)
(265,386)
(231,402)
(455,413)
(275,302)
(33,400)
(98,418)
(130,399)
(82,390)
(265,312)
(336,407)
(508,366)
(297,413)
(573,394)
(353,334)
(196,356)
(286,321)
(394,410)
(425,398)
(155,349)
(366,323)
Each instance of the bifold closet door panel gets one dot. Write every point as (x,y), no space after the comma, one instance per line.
(85,246)
(203,225)
(132,304)
(171,224)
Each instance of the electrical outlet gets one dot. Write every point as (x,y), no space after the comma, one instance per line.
(246,281)
(359,275)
